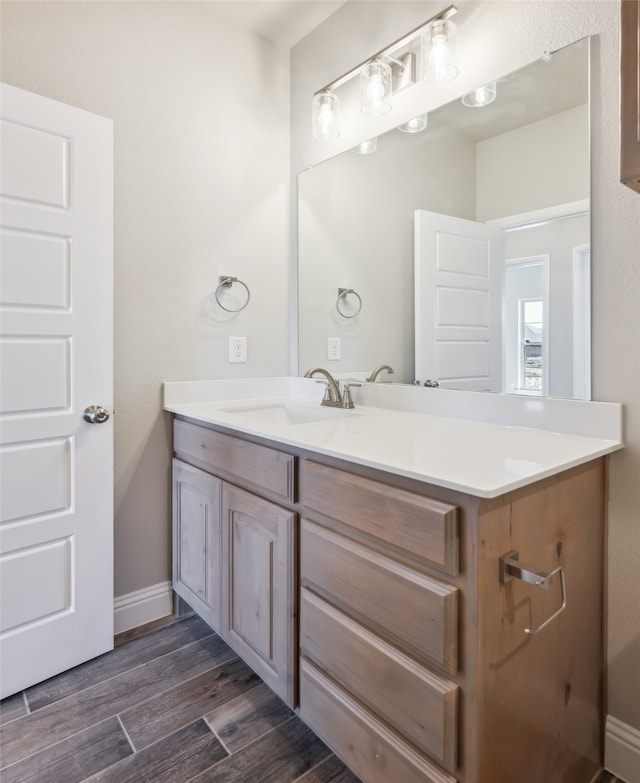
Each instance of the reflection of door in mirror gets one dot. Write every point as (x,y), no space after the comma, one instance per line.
(458,282)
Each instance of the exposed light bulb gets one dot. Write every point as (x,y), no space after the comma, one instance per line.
(326,120)
(375,88)
(438,53)
(325,116)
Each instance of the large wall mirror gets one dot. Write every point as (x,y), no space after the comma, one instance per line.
(459,255)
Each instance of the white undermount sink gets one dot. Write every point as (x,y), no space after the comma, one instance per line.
(290,413)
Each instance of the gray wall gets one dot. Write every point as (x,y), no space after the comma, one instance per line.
(495,38)
(201,124)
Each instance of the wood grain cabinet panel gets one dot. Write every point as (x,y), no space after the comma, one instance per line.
(409,609)
(421,526)
(258,590)
(257,467)
(416,703)
(196,540)
(363,742)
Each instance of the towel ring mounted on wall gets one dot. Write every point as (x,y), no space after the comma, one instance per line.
(342,295)
(225,281)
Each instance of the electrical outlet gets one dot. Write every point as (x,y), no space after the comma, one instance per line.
(237,349)
(334,348)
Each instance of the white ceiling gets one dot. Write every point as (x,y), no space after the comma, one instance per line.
(284,22)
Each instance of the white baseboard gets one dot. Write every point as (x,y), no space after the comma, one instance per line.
(142,606)
(622,750)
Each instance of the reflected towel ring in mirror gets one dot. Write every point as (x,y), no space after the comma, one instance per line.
(342,295)
(225,281)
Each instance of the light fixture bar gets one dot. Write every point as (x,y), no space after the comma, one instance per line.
(446,14)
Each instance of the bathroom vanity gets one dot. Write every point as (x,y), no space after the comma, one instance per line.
(385,598)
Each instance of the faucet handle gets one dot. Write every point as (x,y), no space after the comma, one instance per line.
(329,396)
(347,401)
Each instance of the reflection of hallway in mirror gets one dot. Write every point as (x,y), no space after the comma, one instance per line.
(526,325)
(549,261)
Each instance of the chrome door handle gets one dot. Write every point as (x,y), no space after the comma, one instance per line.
(95,414)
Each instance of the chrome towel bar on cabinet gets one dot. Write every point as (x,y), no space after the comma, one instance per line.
(510,568)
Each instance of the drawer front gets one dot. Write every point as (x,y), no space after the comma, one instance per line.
(368,747)
(421,526)
(414,612)
(258,467)
(418,705)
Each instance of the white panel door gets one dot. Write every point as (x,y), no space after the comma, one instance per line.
(56,301)
(458,289)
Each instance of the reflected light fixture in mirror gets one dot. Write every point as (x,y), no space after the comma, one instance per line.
(439,60)
(415,124)
(380,79)
(367,147)
(326,116)
(481,96)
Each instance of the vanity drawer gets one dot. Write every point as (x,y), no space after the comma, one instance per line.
(370,749)
(414,612)
(257,467)
(414,702)
(421,526)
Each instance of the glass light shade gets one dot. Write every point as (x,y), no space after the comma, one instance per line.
(439,56)
(375,88)
(367,147)
(325,116)
(414,125)
(481,96)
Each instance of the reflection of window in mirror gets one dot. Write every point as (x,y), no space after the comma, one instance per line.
(531,333)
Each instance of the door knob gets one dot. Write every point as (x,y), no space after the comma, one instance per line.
(95,414)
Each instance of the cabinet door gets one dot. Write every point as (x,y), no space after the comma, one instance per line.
(196,540)
(258,586)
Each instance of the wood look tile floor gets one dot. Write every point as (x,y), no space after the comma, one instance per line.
(171,704)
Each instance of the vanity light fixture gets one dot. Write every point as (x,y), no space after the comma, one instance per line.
(390,70)
(326,115)
(439,57)
(375,88)
(415,124)
(481,96)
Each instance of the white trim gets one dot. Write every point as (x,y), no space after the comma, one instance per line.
(142,606)
(581,321)
(622,750)
(525,219)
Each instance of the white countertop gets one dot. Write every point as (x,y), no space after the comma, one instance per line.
(485,458)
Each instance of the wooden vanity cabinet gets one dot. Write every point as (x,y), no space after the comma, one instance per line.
(234,552)
(630,93)
(411,659)
(415,665)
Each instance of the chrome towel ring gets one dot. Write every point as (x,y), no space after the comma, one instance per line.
(225,281)
(342,295)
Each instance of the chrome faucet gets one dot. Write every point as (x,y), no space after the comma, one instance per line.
(377,371)
(332,395)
